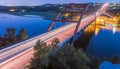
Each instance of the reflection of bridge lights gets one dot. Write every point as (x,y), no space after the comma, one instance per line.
(114,30)
(97,31)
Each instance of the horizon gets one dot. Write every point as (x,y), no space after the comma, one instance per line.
(54,4)
(42,2)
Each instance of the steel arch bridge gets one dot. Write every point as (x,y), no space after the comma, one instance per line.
(74,13)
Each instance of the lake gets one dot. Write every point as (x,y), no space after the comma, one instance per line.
(34,25)
(101,41)
(105,42)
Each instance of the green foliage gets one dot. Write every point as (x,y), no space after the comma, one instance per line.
(66,57)
(115,59)
(95,62)
(22,34)
(55,42)
(40,60)
(1,41)
(69,58)
(41,55)
(10,37)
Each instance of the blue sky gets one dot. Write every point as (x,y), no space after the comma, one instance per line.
(40,2)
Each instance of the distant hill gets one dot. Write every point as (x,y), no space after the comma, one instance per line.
(46,7)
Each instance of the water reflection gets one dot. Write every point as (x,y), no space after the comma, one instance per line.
(105,42)
(85,37)
(114,30)
(102,40)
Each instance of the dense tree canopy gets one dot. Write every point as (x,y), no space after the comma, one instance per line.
(69,58)
(65,57)
(56,57)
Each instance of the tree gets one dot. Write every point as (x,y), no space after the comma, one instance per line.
(68,57)
(1,41)
(22,34)
(13,31)
(65,57)
(55,42)
(13,37)
(114,59)
(8,31)
(40,60)
(95,62)
(10,36)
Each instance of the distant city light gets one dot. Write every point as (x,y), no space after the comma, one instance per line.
(32,7)
(12,10)
(23,10)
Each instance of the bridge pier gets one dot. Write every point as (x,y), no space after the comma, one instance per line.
(64,34)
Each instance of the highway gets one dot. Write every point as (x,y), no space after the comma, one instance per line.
(19,54)
(31,42)
(8,54)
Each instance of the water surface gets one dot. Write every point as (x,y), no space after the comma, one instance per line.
(34,25)
(105,42)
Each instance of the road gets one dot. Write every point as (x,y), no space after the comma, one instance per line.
(16,56)
(18,49)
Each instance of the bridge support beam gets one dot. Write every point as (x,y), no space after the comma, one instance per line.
(53,22)
(72,10)
(107,14)
(79,22)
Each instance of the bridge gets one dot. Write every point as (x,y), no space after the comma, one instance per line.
(18,55)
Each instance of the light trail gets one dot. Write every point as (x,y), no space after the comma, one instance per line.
(16,54)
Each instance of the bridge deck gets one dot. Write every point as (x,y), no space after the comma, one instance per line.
(60,33)
(19,54)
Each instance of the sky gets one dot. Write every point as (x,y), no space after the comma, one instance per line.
(40,2)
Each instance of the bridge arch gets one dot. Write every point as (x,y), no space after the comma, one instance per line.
(69,12)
